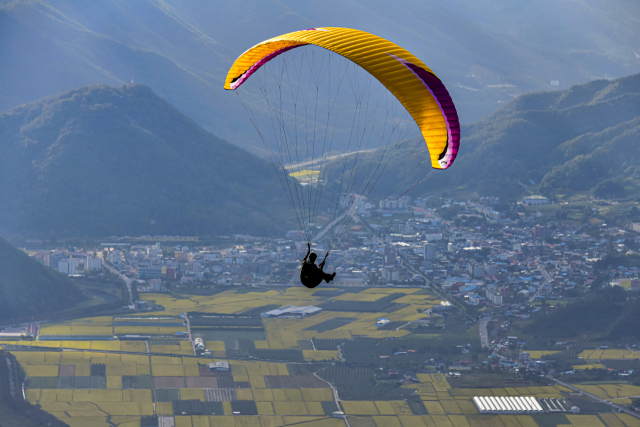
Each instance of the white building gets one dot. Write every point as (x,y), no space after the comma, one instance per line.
(494,296)
(393,204)
(507,405)
(535,200)
(292,311)
(199,343)
(93,264)
(381,321)
(390,273)
(67,266)
(221,365)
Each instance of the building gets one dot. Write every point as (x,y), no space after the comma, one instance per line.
(53,259)
(220,366)
(393,203)
(535,200)
(115,257)
(476,270)
(490,269)
(155,285)
(507,405)
(382,322)
(149,272)
(494,295)
(350,280)
(199,343)
(430,252)
(390,273)
(67,266)
(524,356)
(93,264)
(292,311)
(170,272)
(541,232)
(142,305)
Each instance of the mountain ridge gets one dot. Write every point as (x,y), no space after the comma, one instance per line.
(116,161)
(555,142)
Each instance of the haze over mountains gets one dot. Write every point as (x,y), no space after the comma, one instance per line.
(182,50)
(559,142)
(103,161)
(100,161)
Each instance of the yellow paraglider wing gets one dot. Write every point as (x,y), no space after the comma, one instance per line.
(405,76)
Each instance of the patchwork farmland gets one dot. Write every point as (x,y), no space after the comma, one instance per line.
(141,369)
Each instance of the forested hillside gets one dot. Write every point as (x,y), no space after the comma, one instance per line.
(581,139)
(101,161)
(29,288)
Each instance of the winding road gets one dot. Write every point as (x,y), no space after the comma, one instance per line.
(122,276)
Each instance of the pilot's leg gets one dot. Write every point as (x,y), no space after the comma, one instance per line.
(328,277)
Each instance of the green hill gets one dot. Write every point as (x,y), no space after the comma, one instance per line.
(102,161)
(607,314)
(581,139)
(29,288)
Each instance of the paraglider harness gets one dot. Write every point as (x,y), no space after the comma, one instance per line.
(311,275)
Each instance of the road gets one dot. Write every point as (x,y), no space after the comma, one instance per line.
(122,276)
(350,211)
(621,408)
(335,396)
(325,160)
(193,344)
(547,279)
(484,336)
(12,375)
(327,228)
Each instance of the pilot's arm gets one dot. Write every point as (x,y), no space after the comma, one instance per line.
(308,252)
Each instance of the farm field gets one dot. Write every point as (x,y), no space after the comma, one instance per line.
(609,354)
(89,372)
(537,354)
(611,391)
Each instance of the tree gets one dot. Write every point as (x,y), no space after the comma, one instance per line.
(609,189)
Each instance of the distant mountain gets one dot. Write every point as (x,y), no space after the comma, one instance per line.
(486,51)
(581,139)
(103,161)
(29,288)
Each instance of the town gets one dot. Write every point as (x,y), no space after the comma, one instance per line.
(467,250)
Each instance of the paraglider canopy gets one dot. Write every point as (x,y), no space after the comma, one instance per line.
(408,78)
